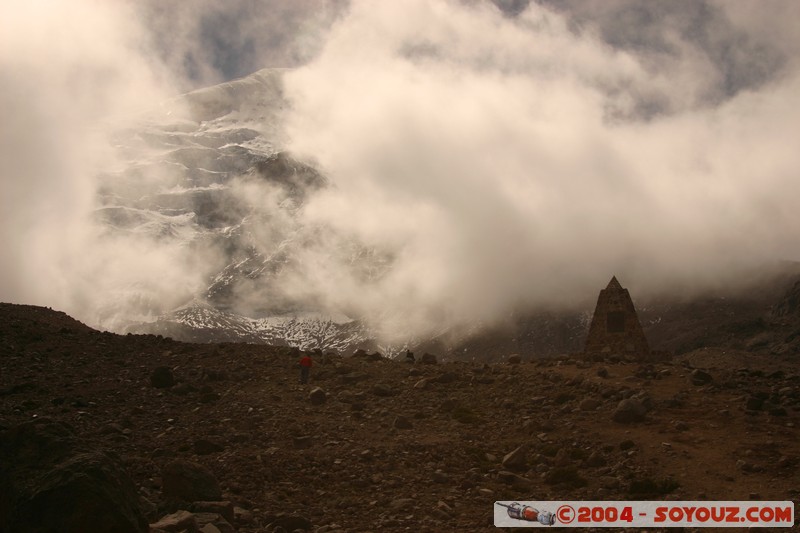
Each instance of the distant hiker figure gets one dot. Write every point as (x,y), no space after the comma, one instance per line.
(410,357)
(305,368)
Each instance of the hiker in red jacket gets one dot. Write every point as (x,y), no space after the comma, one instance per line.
(305,368)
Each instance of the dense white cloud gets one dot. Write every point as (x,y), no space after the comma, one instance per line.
(72,72)
(505,161)
(496,160)
(66,67)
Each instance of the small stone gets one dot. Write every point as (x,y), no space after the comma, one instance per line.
(206,447)
(699,377)
(214,519)
(429,359)
(383,391)
(510,478)
(595,460)
(447,377)
(179,521)
(242,516)
(754,404)
(302,442)
(402,422)
(589,404)
(562,458)
(629,411)
(112,428)
(602,372)
(352,377)
(609,482)
(514,359)
(401,504)
(440,477)
(214,375)
(291,523)
(439,515)
(209,397)
(516,460)
(224,509)
(421,384)
(189,482)
(317,396)
(162,378)
(448,405)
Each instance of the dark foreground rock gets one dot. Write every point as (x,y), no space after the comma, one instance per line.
(51,481)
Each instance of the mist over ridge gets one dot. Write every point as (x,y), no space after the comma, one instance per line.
(510,161)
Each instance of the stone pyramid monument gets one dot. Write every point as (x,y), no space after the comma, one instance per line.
(615,328)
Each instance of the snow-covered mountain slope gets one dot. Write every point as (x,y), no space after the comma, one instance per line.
(200,322)
(207,173)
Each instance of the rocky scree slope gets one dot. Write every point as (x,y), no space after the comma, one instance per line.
(376,445)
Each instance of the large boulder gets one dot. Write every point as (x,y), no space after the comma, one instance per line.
(51,481)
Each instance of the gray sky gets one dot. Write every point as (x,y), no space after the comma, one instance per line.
(207,41)
(503,157)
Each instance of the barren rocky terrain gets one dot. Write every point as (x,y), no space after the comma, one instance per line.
(372,444)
